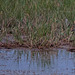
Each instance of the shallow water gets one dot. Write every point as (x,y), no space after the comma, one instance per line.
(22,61)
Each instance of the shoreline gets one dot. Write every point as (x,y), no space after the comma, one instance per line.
(9,45)
(9,42)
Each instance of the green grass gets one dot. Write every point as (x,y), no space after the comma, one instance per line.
(41,20)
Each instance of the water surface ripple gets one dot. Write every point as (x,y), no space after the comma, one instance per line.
(36,62)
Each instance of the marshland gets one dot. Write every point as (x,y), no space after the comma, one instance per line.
(42,23)
(39,34)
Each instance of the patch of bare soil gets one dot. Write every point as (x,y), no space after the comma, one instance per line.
(64,44)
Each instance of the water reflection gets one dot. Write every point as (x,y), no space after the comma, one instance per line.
(43,62)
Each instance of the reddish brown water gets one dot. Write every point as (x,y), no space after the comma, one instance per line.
(21,61)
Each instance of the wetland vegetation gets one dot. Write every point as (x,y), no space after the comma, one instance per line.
(42,23)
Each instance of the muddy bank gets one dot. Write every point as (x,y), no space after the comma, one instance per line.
(9,42)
